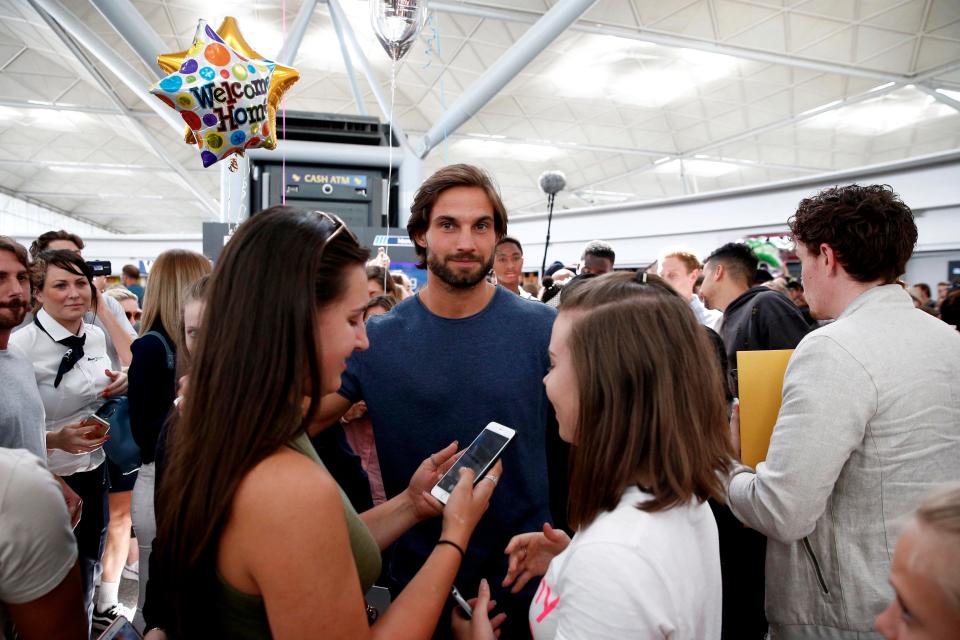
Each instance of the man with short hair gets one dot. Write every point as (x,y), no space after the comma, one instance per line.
(130,277)
(869,421)
(442,364)
(598,258)
(681,269)
(110,316)
(755,318)
(508,266)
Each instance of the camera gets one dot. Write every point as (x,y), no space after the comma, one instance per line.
(100,267)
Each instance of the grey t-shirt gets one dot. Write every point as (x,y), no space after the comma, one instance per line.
(37,547)
(21,408)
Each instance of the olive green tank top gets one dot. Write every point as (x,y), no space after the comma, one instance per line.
(244,617)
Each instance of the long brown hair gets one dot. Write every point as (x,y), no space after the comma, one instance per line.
(257,354)
(651,398)
(171,274)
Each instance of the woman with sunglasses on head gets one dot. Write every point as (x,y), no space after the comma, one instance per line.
(71,366)
(250,524)
(153,384)
(128,301)
(644,562)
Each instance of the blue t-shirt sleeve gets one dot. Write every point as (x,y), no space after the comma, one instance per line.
(350,387)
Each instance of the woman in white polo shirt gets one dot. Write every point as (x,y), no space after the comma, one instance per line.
(73,374)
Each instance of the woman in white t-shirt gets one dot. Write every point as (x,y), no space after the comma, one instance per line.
(637,391)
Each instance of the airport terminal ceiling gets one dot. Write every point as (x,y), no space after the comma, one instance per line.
(637,100)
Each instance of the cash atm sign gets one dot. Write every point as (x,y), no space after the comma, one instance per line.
(331,179)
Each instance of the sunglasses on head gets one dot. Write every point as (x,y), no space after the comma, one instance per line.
(338,226)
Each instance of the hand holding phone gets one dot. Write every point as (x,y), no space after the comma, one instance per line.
(102,427)
(480,456)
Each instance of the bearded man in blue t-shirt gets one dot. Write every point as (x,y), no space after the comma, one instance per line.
(447,361)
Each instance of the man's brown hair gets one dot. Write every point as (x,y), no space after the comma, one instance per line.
(14,247)
(454,175)
(634,350)
(43,241)
(869,228)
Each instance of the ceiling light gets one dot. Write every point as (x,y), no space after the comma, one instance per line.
(118,170)
(481,148)
(700,168)
(950,94)
(897,110)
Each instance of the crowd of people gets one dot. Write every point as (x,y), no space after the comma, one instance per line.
(293,406)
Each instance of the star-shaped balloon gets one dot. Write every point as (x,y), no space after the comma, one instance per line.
(282,79)
(221,96)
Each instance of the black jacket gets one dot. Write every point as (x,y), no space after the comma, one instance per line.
(152,388)
(761,319)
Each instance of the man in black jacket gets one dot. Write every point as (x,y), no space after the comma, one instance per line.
(754,318)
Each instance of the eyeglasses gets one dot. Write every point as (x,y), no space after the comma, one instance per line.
(338,226)
(133,316)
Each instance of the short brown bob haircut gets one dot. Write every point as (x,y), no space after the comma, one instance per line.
(869,228)
(454,175)
(634,350)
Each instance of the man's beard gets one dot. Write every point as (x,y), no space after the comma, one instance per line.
(456,279)
(19,310)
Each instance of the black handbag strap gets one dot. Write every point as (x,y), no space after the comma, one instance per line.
(171,358)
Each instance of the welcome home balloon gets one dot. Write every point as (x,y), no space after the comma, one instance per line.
(221,95)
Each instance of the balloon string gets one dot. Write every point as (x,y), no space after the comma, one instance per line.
(283,110)
(393,98)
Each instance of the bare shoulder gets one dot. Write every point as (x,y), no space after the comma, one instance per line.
(285,481)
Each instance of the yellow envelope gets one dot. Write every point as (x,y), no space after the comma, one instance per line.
(760,382)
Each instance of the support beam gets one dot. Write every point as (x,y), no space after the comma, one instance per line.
(83,167)
(670,40)
(128,22)
(354,155)
(939,97)
(337,15)
(54,209)
(537,38)
(288,53)
(348,63)
(66,26)
(76,108)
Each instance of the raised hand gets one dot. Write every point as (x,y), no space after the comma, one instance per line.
(467,504)
(428,474)
(531,553)
(118,384)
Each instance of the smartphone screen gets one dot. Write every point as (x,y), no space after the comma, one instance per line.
(479,456)
(120,629)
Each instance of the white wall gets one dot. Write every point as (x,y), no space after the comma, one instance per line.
(638,231)
(930,268)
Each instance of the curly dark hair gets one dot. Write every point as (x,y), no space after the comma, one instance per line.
(869,228)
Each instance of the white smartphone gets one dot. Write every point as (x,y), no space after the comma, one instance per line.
(482,454)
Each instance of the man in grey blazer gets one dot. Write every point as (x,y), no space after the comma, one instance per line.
(870,421)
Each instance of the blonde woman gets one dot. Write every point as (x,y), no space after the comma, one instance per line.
(153,376)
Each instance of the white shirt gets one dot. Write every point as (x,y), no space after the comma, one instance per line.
(116,310)
(632,574)
(710,318)
(37,547)
(79,392)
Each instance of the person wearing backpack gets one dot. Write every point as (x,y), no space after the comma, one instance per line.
(152,389)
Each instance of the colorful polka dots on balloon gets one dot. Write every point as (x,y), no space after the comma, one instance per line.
(216,54)
(220,95)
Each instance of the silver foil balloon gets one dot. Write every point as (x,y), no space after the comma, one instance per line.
(397,24)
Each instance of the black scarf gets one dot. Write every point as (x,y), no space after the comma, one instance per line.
(73,355)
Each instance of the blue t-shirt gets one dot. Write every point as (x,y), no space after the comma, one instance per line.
(428,381)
